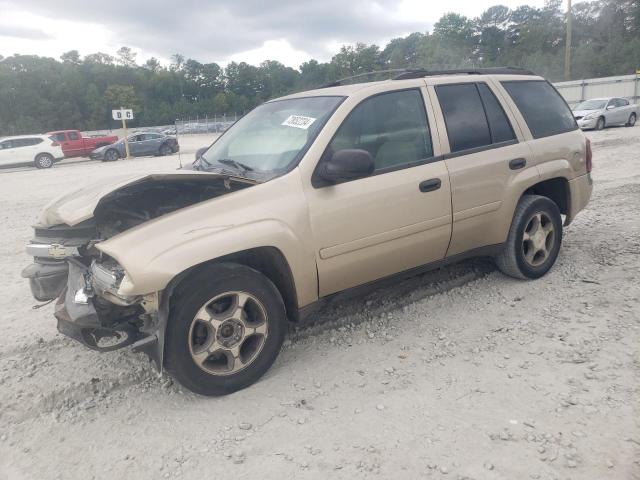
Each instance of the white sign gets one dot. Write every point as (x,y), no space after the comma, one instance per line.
(127,114)
(299,121)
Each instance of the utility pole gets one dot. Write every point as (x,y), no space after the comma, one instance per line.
(126,136)
(567,51)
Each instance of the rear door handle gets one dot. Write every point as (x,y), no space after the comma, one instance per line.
(517,163)
(430,185)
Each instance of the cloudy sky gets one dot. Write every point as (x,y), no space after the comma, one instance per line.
(291,31)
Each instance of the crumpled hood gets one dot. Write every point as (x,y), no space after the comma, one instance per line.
(582,113)
(78,205)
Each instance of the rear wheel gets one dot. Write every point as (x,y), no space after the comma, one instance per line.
(165,150)
(600,123)
(111,155)
(534,239)
(632,120)
(44,160)
(225,329)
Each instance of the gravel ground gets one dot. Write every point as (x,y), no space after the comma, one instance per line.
(462,373)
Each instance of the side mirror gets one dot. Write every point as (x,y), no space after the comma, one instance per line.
(347,164)
(200,152)
(610,107)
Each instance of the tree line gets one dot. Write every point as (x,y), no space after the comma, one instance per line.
(39,94)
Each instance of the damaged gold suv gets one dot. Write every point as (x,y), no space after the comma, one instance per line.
(307,196)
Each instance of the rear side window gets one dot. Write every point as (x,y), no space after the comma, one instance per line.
(499,125)
(26,142)
(473,116)
(542,107)
(73,136)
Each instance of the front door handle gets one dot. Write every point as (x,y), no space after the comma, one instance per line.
(517,163)
(430,185)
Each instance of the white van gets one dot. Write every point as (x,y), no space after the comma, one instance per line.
(39,150)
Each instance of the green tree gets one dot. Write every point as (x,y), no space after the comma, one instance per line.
(126,57)
(152,64)
(116,96)
(72,56)
(99,58)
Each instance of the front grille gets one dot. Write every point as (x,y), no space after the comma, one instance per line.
(65,236)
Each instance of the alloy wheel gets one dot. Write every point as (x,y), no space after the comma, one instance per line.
(538,239)
(228,332)
(45,161)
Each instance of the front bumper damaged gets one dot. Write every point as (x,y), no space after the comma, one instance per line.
(89,310)
(77,316)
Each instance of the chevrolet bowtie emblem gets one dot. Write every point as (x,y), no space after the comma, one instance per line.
(57,251)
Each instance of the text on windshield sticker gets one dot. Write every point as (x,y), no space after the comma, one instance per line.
(298,121)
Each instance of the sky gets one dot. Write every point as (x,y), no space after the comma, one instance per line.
(290,31)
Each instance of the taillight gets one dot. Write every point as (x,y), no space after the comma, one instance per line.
(589,156)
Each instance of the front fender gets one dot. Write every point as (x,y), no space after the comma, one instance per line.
(268,215)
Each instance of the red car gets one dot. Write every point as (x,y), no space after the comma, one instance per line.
(75,145)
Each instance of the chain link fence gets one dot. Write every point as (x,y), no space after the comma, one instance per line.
(186,126)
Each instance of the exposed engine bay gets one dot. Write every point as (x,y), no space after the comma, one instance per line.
(85,282)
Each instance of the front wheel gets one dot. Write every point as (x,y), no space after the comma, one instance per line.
(111,155)
(225,329)
(44,160)
(632,120)
(600,123)
(534,239)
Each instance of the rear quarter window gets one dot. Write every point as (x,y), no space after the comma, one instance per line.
(542,107)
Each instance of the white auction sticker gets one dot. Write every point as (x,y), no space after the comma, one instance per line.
(299,121)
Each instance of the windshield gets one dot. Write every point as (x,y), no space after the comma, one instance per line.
(271,138)
(592,105)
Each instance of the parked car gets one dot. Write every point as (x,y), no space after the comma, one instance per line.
(306,197)
(38,150)
(140,144)
(75,145)
(605,112)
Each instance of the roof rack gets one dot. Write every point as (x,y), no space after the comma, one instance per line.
(341,81)
(404,73)
(419,73)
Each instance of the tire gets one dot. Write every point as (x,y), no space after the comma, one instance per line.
(632,120)
(111,155)
(44,160)
(530,258)
(219,353)
(165,150)
(600,124)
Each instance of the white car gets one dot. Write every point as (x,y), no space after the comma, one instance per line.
(39,150)
(599,113)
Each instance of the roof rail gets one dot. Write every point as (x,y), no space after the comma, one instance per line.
(419,73)
(405,73)
(339,82)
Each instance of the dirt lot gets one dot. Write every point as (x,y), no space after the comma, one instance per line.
(462,373)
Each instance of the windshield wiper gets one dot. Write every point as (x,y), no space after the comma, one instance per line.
(234,163)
